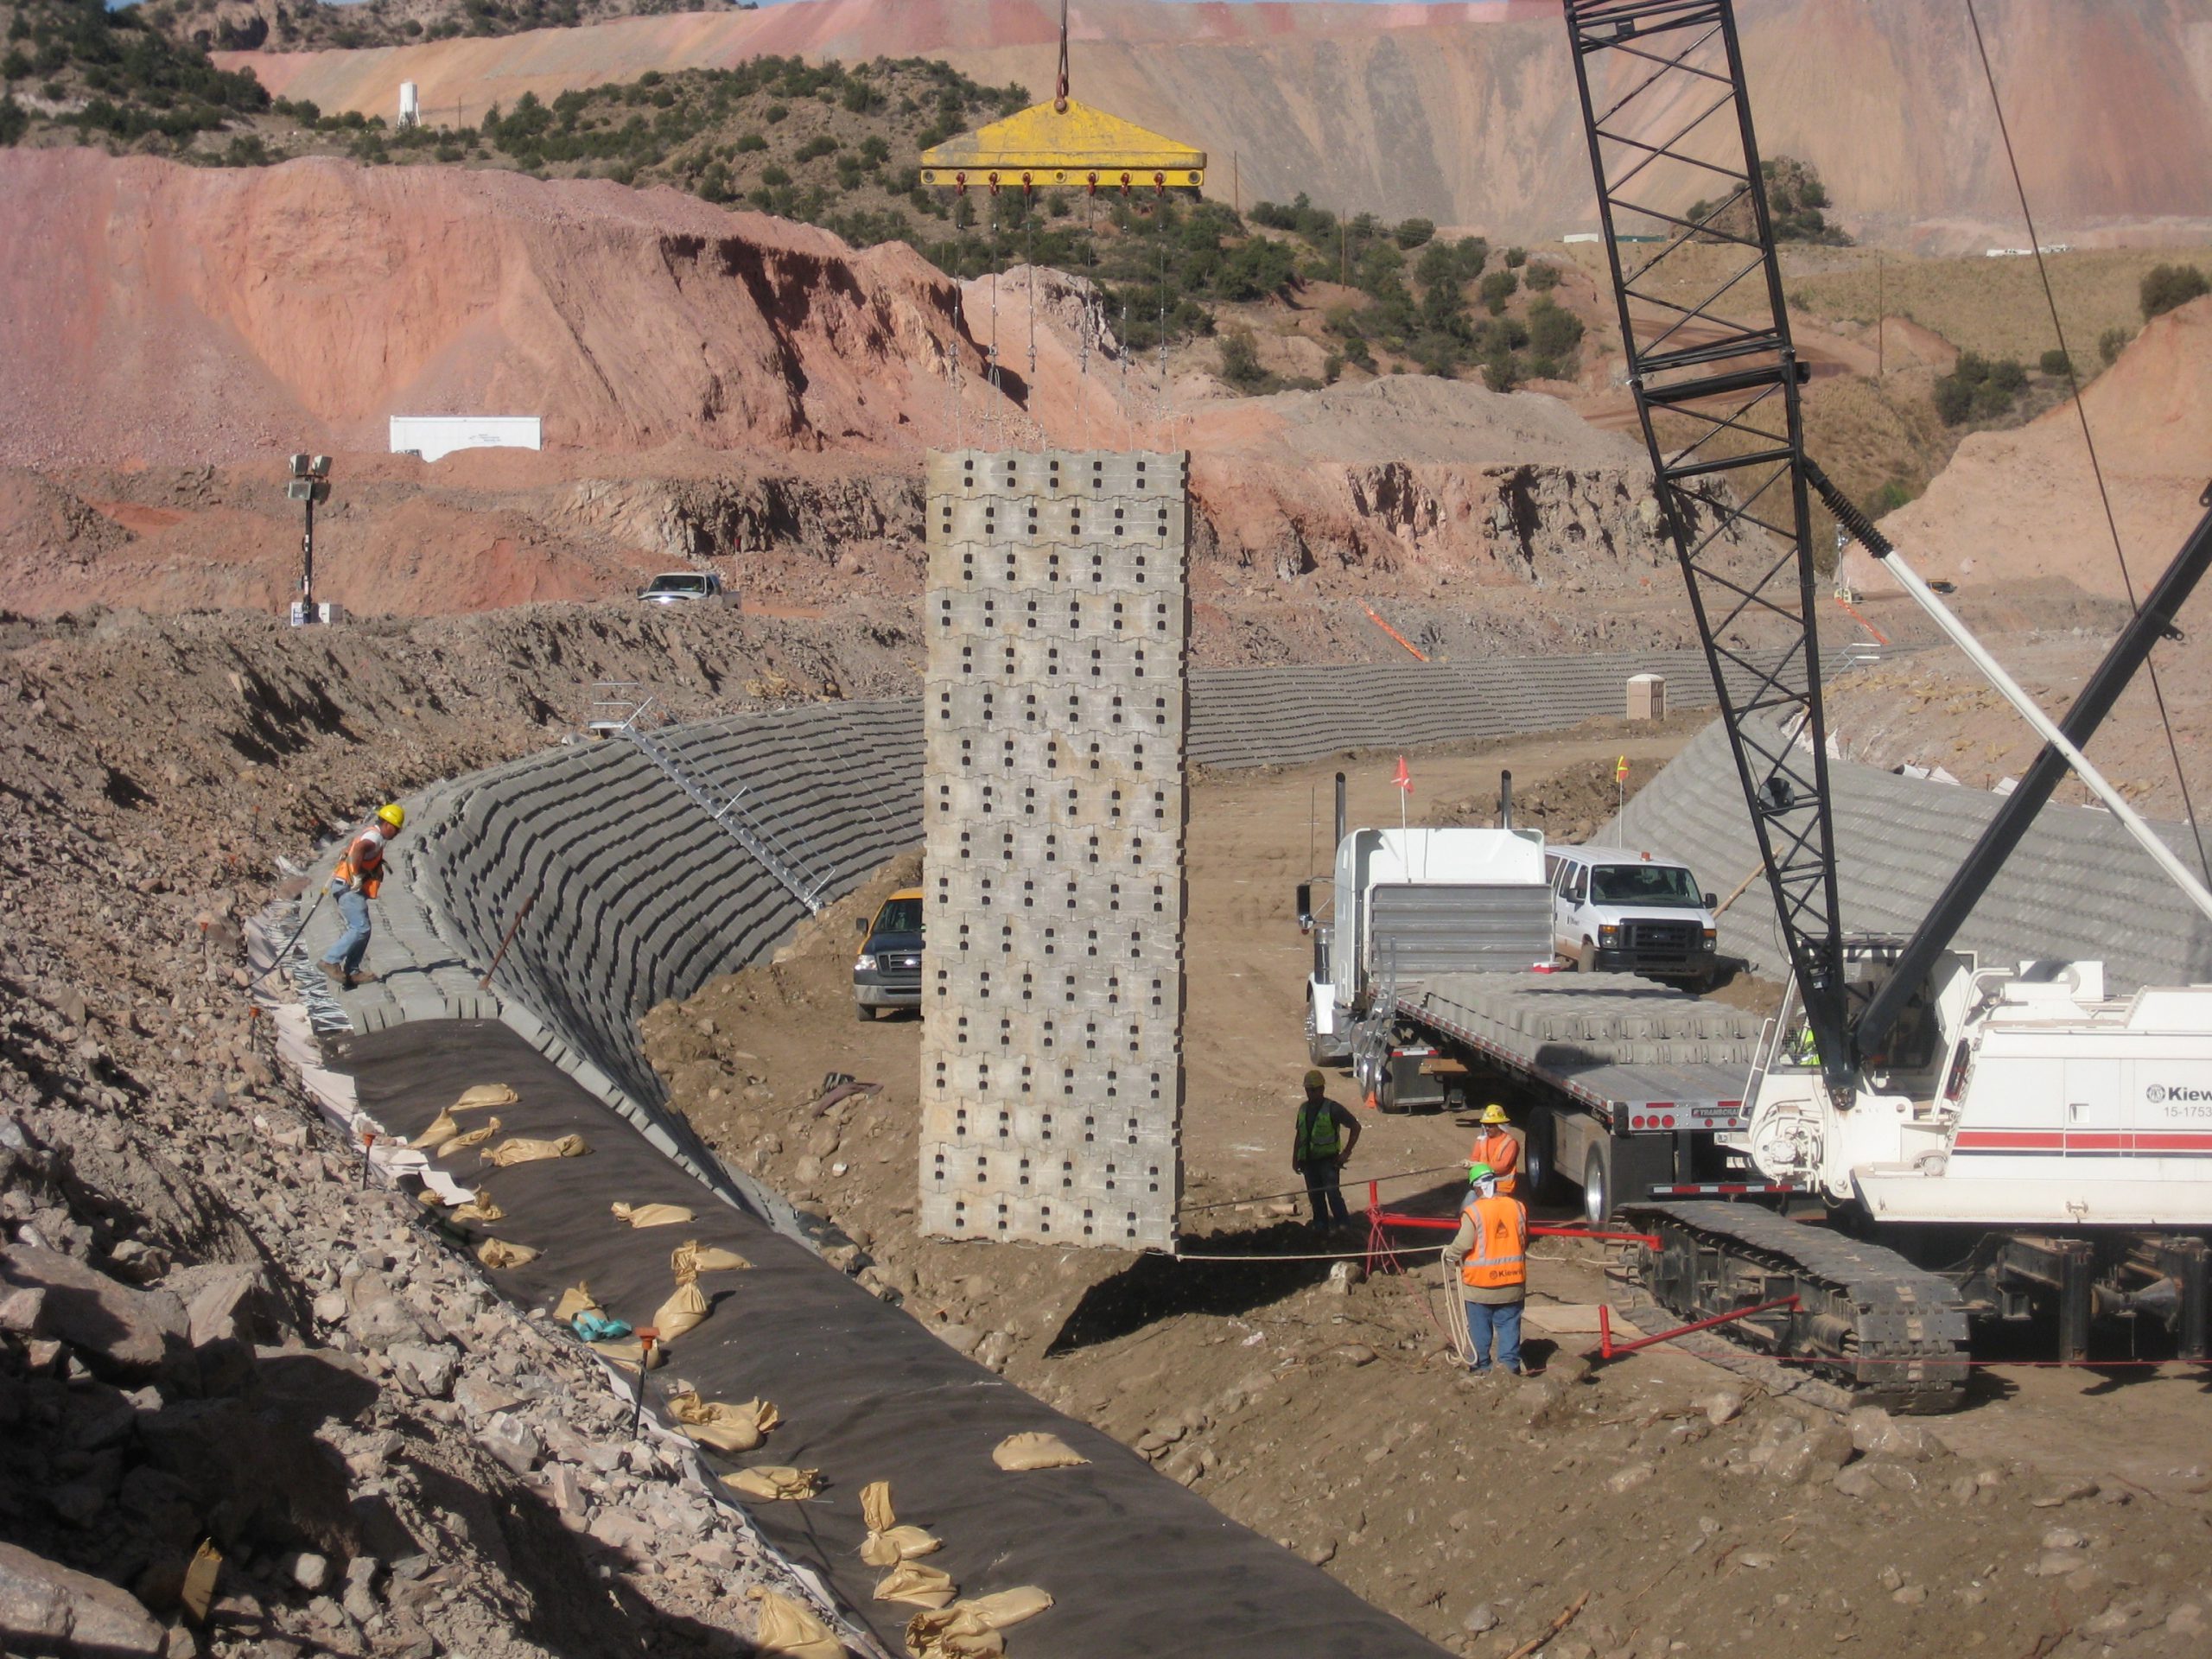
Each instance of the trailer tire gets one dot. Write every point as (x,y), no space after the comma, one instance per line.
(1598,1184)
(1540,1154)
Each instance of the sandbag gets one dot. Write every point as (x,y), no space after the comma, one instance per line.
(1036,1450)
(482,1095)
(498,1253)
(474,1138)
(788,1631)
(625,1356)
(576,1299)
(523,1151)
(889,1543)
(686,1309)
(483,1209)
(970,1630)
(442,1128)
(692,1257)
(653,1215)
(916,1585)
(720,1425)
(774,1482)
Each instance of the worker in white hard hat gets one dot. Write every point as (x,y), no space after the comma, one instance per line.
(1490,1250)
(353,882)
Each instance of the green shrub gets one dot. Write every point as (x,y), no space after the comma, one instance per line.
(1240,360)
(2056,362)
(1541,279)
(1953,400)
(1992,398)
(2112,343)
(2165,287)
(1412,233)
(1498,288)
(751,144)
(1516,257)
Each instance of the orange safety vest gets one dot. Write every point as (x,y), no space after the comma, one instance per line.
(1500,1258)
(365,859)
(1502,1153)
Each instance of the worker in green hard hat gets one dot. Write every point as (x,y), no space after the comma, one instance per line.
(1490,1250)
(1320,1147)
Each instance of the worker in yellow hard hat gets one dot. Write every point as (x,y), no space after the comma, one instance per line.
(354,881)
(1497,1148)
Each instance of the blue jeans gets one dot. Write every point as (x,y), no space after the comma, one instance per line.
(1323,1192)
(353,944)
(1502,1319)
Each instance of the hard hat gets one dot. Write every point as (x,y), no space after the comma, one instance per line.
(1493,1113)
(1315,1080)
(394,814)
(1478,1173)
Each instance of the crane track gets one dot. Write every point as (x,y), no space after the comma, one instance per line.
(1891,1332)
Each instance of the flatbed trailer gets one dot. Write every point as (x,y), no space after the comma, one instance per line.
(1630,1090)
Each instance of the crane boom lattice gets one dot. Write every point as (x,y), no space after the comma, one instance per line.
(1683,207)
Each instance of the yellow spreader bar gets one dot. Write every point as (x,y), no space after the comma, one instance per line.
(1045,145)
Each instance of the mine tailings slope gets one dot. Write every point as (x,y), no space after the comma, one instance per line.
(159,313)
(2021,504)
(1465,113)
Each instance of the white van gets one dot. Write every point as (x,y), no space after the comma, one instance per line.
(1615,910)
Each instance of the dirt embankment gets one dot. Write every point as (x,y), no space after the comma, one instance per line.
(2015,506)
(209,1331)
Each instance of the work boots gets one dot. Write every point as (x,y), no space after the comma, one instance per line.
(336,974)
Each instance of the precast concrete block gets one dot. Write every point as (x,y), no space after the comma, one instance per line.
(1053,810)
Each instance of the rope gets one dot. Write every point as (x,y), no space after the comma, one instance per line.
(1299,1192)
(1323,1255)
(289,943)
(2096,467)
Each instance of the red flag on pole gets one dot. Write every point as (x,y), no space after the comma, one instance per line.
(1620,770)
(1404,780)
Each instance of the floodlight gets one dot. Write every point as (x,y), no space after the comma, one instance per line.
(300,466)
(319,467)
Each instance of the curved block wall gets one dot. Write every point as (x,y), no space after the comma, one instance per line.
(640,898)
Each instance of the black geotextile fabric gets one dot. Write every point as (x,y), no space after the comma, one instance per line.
(1138,1566)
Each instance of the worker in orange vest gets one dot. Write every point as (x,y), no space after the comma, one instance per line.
(1490,1250)
(1496,1146)
(353,882)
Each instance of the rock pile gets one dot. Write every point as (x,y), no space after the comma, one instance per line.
(247,1403)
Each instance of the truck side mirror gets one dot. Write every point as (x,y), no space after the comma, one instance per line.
(1711,902)
(860,924)
(1304,905)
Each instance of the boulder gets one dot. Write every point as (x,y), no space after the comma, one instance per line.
(375,1317)
(122,1333)
(45,1606)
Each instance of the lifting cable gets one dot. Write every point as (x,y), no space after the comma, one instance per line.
(2073,381)
(997,391)
(1090,307)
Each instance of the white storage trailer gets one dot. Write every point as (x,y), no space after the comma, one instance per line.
(433,436)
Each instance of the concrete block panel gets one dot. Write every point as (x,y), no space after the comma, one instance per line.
(1053,808)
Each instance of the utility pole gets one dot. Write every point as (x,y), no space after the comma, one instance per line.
(1881,312)
(310,483)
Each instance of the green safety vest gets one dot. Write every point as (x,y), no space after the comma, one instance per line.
(1318,1137)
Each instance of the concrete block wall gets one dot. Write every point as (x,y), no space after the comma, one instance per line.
(2077,887)
(640,896)
(1053,806)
